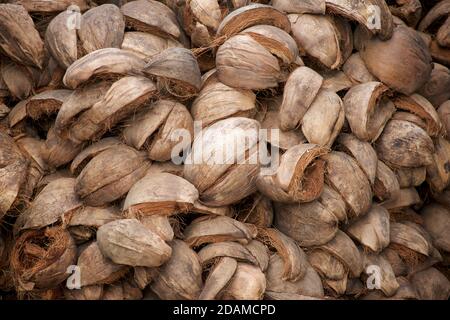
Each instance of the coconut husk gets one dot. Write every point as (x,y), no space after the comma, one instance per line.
(297,6)
(336,81)
(345,176)
(300,90)
(362,151)
(166,166)
(405,52)
(396,261)
(129,242)
(151,17)
(367,109)
(103,63)
(403,198)
(156,130)
(59,151)
(299,177)
(51,76)
(431,284)
(404,144)
(110,175)
(160,193)
(439,54)
(356,70)
(251,15)
(438,173)
(248,283)
(386,183)
(444,115)
(220,211)
(410,177)
(327,39)
(43,6)
(442,35)
(443,197)
(362,13)
(223,162)
(160,225)
(436,222)
(207,12)
(176,70)
(212,229)
(61,39)
(387,281)
(441,9)
(143,276)
(257,210)
(406,291)
(56,202)
(181,276)
(146,45)
(16,79)
(324,119)
(21,41)
(327,265)
(312,223)
(261,253)
(51,177)
(125,97)
(372,230)
(80,100)
(6,279)
(39,258)
(101,27)
(437,89)
(410,11)
(94,292)
(46,103)
(122,290)
(218,278)
(237,251)
(17,116)
(309,285)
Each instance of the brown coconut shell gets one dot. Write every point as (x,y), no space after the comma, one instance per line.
(299,6)
(403,198)
(218,278)
(410,177)
(431,284)
(410,11)
(386,183)
(21,41)
(146,45)
(110,175)
(248,283)
(129,242)
(16,79)
(299,176)
(44,6)
(438,173)
(436,222)
(59,151)
(388,282)
(257,210)
(39,258)
(160,193)
(356,70)
(444,115)
(160,225)
(235,250)
(336,81)
(437,89)
(94,292)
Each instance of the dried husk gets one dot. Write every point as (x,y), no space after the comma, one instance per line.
(101,27)
(336,81)
(257,210)
(207,12)
(59,151)
(94,292)
(202,209)
(444,115)
(398,265)
(309,285)
(218,278)
(345,176)
(295,260)
(388,282)
(327,39)
(45,6)
(160,225)
(443,197)
(248,283)
(156,130)
(152,17)
(17,79)
(411,242)
(356,70)
(300,6)
(439,54)
(181,276)
(418,105)
(235,250)
(328,266)
(129,242)
(125,97)
(324,119)
(367,109)
(363,153)
(430,284)
(437,222)
(410,177)
(251,15)
(386,183)
(403,198)
(146,45)
(362,12)
(244,63)
(39,258)
(410,11)
(223,162)
(438,173)
(160,193)
(404,144)
(46,103)
(20,39)
(300,90)
(436,13)
(83,158)
(437,88)
(95,268)
(122,290)
(261,253)
(212,229)
(299,176)
(103,63)
(54,203)
(403,62)
(61,39)
(311,223)
(143,276)
(110,175)
(372,230)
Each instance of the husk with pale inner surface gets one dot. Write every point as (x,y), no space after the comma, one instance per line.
(46,103)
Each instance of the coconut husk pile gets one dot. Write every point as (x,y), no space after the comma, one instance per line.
(209,149)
